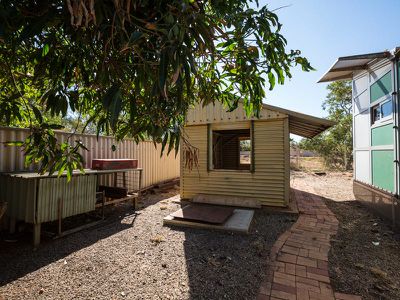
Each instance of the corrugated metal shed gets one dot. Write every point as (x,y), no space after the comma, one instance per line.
(267,185)
(267,180)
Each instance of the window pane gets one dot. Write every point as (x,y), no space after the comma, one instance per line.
(381,87)
(245,148)
(375,114)
(386,109)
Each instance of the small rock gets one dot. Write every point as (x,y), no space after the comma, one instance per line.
(375,243)
(123,294)
(164,265)
(360,266)
(378,272)
(41,291)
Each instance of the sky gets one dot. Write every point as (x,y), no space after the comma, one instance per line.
(325,30)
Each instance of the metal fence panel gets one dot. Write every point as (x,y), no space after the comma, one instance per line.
(156,168)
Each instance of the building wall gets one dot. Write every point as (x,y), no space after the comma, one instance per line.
(373,143)
(268,184)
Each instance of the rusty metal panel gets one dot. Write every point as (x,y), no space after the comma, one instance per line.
(155,168)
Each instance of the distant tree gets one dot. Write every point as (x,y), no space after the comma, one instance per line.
(335,145)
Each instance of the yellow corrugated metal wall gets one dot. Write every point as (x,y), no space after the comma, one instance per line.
(155,167)
(269,183)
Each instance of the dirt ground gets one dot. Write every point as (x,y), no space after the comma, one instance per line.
(307,163)
(133,256)
(337,186)
(365,257)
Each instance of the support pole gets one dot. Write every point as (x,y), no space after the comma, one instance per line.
(13,221)
(60,208)
(36,234)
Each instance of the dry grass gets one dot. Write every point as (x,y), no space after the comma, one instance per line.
(157,239)
(311,164)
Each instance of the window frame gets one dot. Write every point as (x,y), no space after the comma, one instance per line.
(211,129)
(381,120)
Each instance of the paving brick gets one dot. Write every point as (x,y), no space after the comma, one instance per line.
(300,255)
(282,295)
(318,255)
(265,288)
(290,250)
(322,264)
(308,287)
(303,252)
(285,276)
(308,281)
(318,277)
(290,268)
(326,288)
(302,294)
(290,258)
(284,288)
(318,296)
(306,261)
(284,281)
(301,271)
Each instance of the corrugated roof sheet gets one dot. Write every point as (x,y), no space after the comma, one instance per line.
(303,125)
(344,66)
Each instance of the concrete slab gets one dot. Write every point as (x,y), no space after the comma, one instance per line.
(239,221)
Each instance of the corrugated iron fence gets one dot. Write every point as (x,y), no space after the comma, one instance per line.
(156,168)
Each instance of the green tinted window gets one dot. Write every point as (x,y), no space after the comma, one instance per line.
(382,169)
(381,87)
(382,135)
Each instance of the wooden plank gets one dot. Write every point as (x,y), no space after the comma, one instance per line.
(239,222)
(204,213)
(226,200)
(130,197)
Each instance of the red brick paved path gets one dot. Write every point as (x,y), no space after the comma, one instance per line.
(298,267)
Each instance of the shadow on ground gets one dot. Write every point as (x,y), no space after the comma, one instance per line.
(364,258)
(183,264)
(19,258)
(224,265)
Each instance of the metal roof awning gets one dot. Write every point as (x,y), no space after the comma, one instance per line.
(303,125)
(344,66)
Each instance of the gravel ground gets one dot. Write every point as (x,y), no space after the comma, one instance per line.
(133,256)
(357,263)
